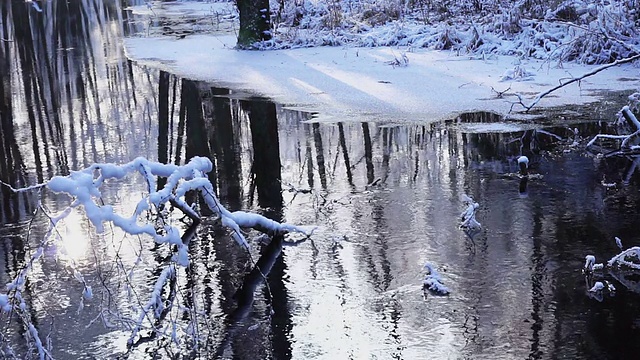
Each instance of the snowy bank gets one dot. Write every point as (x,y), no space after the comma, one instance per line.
(375,84)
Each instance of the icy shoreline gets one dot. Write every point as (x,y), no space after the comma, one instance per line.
(387,84)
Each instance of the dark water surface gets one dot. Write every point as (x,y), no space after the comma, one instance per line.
(385,198)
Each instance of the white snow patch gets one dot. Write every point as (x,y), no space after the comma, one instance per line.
(357,84)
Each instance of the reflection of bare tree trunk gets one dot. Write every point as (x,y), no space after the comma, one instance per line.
(22,34)
(537,279)
(11,163)
(48,85)
(266,153)
(419,140)
(182,114)
(317,140)
(174,98)
(345,154)
(281,323)
(50,100)
(61,25)
(163,122)
(417,166)
(381,226)
(225,143)
(387,133)
(368,152)
(266,171)
(163,117)
(197,142)
(308,156)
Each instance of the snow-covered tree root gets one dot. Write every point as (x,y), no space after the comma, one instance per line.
(84,188)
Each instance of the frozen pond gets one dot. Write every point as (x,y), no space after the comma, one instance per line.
(386,199)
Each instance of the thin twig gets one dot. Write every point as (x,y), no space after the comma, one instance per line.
(19,190)
(500,94)
(577,79)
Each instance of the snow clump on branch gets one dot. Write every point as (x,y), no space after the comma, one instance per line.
(84,187)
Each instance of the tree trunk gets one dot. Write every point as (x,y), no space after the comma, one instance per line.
(255,22)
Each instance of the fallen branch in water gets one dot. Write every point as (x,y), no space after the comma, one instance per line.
(630,142)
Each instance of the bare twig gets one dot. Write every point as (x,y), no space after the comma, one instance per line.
(573,80)
(28,188)
(500,94)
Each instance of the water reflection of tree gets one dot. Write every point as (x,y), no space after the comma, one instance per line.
(68,97)
(226,147)
(434,156)
(422,170)
(212,125)
(72,81)
(12,167)
(265,179)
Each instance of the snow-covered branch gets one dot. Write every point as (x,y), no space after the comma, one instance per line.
(620,267)
(155,303)
(84,188)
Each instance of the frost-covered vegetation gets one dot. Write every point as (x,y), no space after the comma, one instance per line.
(591,32)
(168,187)
(585,31)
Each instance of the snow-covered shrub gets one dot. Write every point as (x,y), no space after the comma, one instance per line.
(510,22)
(380,14)
(575,30)
(599,33)
(448,39)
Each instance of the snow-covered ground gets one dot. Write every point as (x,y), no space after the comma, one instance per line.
(396,84)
